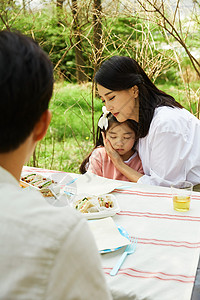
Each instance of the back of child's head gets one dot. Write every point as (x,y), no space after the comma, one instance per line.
(26,85)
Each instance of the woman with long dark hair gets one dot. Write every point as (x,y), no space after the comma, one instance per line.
(169,135)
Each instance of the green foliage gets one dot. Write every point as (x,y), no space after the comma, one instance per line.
(66,155)
(69,138)
(53,38)
(169,75)
(121,36)
(72,114)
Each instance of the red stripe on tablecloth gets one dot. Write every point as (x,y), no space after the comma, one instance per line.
(155,276)
(39,170)
(158,216)
(138,193)
(158,275)
(149,194)
(168,243)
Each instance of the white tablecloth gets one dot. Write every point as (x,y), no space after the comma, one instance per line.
(166,258)
(165,262)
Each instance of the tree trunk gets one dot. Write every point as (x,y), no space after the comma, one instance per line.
(80,63)
(97,34)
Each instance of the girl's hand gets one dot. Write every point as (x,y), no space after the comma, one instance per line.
(114,155)
(127,171)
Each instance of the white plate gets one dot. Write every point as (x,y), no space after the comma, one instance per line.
(108,212)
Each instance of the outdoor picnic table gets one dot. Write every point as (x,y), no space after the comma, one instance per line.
(165,263)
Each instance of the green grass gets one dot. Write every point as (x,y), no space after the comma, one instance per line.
(64,156)
(70,136)
(71,108)
(188,98)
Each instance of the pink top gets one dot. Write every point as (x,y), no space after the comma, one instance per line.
(101,164)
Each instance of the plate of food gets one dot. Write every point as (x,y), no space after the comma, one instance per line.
(47,186)
(95,207)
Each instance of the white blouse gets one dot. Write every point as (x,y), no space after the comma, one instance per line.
(170,152)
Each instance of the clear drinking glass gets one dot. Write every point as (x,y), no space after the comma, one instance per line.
(181,195)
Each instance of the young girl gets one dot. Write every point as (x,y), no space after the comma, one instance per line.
(122,138)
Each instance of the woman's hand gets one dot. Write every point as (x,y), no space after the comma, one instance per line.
(112,153)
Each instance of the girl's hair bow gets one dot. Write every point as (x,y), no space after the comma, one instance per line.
(103,121)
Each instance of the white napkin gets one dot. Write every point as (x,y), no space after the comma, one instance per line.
(93,184)
(106,234)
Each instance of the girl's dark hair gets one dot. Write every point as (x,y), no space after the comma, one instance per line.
(99,139)
(121,73)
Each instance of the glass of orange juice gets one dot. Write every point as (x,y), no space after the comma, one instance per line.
(181,194)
